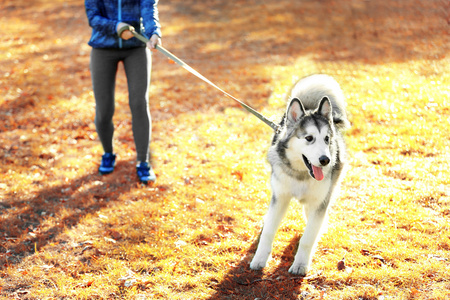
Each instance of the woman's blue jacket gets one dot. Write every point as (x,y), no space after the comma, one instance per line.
(104,15)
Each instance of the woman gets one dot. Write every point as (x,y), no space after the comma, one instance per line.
(107,19)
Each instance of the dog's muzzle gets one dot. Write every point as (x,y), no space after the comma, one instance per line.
(316,172)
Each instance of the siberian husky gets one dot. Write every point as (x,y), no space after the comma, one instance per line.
(307,157)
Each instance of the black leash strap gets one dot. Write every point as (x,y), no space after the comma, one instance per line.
(198,75)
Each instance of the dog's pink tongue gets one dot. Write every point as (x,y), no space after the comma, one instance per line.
(318,174)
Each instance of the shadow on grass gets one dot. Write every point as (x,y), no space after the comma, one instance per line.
(28,224)
(271,283)
(332,30)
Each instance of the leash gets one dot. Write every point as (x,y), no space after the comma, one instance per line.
(200,76)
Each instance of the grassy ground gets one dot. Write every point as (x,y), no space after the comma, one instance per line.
(68,233)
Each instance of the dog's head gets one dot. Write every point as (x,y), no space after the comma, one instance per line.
(312,133)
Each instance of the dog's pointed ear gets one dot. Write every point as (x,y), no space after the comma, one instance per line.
(325,108)
(295,110)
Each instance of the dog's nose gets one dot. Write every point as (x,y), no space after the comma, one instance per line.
(324,160)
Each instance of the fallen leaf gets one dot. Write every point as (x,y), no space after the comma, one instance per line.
(86,248)
(109,240)
(47,267)
(22,291)
(380,258)
(238,174)
(127,281)
(414,292)
(115,234)
(365,252)
(341,265)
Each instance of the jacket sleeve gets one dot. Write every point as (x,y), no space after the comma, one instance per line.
(96,19)
(150,16)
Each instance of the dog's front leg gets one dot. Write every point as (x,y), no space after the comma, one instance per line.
(315,218)
(277,209)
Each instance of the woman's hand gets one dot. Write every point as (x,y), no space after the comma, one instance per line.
(126,34)
(154,40)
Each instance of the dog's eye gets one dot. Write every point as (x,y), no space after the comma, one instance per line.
(327,140)
(309,138)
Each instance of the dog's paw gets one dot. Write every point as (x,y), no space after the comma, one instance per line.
(298,269)
(257,264)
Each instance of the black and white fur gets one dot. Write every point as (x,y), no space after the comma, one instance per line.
(308,157)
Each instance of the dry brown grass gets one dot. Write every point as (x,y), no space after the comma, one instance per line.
(68,233)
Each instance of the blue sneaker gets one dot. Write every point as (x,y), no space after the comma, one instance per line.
(145,172)
(108,163)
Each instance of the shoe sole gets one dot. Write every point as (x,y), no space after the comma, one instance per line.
(152,179)
(147,181)
(105,172)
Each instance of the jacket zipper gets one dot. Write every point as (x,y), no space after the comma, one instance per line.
(120,19)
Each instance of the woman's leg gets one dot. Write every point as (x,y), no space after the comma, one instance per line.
(138,65)
(103,72)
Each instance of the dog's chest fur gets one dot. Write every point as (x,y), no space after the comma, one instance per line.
(307,188)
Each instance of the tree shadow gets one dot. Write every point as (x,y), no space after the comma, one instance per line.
(271,283)
(31,223)
(44,61)
(227,38)
(371,32)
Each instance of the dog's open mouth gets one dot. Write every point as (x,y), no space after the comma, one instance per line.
(314,171)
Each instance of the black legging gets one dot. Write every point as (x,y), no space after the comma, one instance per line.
(137,63)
